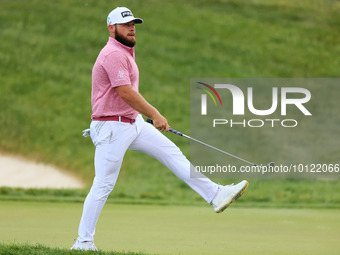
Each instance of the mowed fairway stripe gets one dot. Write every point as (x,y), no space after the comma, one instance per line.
(177,229)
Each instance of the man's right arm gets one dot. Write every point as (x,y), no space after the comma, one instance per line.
(137,102)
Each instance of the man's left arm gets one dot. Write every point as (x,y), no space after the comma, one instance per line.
(137,102)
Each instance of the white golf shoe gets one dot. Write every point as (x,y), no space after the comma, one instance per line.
(84,246)
(228,194)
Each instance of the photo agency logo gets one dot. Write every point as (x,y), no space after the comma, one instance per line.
(280,103)
(289,121)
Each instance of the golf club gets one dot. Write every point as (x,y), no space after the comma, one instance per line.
(271,164)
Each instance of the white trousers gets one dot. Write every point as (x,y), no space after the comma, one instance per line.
(112,139)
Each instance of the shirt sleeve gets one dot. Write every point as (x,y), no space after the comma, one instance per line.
(117,68)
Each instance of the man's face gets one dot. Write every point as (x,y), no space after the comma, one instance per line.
(126,33)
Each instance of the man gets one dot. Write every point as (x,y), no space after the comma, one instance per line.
(118,126)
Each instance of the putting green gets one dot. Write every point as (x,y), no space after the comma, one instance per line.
(177,229)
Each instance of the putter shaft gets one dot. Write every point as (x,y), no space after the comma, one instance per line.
(205,144)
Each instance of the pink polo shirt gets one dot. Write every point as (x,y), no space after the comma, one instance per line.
(115,66)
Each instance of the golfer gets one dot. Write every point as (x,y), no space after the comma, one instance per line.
(117,126)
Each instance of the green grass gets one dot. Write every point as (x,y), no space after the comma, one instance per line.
(269,193)
(155,229)
(47,50)
(25,249)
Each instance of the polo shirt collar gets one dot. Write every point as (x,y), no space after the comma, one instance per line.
(130,50)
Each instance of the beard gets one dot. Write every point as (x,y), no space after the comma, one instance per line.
(130,42)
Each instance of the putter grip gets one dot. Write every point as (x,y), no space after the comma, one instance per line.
(148,120)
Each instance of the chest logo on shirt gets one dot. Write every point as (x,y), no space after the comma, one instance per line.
(126,13)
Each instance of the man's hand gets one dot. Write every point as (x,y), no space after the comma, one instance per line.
(161,123)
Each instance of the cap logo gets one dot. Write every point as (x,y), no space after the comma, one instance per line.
(126,13)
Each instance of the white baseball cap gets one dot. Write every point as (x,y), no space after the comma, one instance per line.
(122,15)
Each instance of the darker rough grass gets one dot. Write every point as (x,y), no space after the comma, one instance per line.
(280,193)
(38,249)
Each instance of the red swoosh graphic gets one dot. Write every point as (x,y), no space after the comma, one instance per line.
(213,90)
